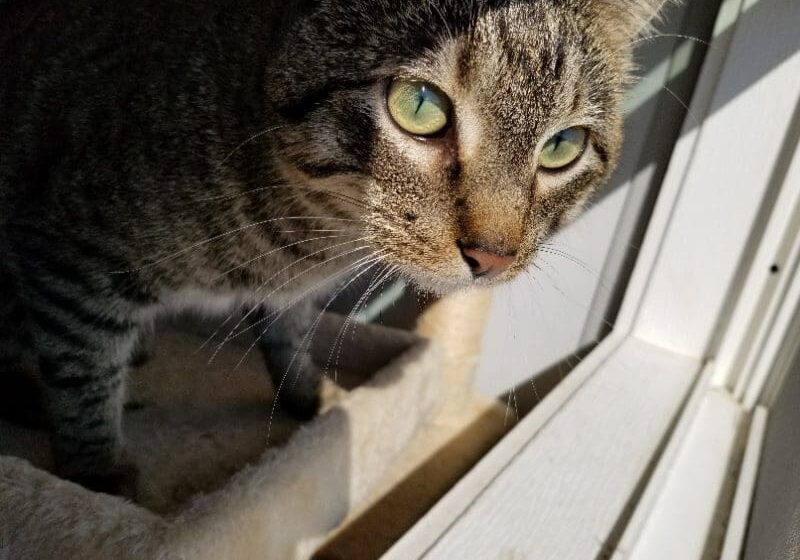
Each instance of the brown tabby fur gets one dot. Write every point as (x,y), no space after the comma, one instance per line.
(157,155)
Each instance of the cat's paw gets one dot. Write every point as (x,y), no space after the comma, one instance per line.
(300,405)
(121,480)
(297,381)
(20,400)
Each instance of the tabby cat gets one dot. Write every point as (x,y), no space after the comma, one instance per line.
(258,155)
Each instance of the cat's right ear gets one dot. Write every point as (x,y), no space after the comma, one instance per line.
(629,18)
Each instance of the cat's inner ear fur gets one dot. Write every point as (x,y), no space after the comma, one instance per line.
(630,18)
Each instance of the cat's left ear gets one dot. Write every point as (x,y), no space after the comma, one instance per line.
(630,18)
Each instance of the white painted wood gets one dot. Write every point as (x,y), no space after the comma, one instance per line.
(748,351)
(763,328)
(688,504)
(779,343)
(785,354)
(780,335)
(657,481)
(743,500)
(682,158)
(424,534)
(562,493)
(689,486)
(726,181)
(780,247)
(662,90)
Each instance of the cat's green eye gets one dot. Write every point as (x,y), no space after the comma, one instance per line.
(418,107)
(563,148)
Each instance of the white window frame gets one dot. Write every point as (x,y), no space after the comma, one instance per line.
(632,455)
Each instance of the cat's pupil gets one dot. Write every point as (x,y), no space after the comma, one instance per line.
(420,100)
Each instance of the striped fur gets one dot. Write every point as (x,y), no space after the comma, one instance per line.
(158,155)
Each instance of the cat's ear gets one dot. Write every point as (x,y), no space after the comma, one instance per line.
(629,18)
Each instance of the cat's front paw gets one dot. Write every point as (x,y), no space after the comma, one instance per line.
(297,390)
(300,405)
(120,480)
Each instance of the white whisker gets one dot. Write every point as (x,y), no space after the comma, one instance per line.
(381,277)
(273,251)
(292,279)
(185,250)
(284,309)
(309,336)
(253,137)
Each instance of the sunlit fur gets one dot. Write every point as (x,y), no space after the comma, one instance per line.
(163,154)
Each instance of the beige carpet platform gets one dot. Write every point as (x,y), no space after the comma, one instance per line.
(224,475)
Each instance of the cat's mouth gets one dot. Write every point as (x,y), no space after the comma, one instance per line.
(460,275)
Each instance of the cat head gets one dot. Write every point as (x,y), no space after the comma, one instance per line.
(462,132)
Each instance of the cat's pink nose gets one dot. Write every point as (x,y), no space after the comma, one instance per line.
(484,264)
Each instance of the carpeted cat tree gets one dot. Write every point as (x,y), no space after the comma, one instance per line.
(223,477)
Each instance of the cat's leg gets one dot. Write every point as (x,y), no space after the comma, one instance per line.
(19,396)
(83,354)
(285,348)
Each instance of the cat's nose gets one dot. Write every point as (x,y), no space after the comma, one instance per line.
(485,264)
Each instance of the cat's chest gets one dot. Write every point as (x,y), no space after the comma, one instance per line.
(277,285)
(203,301)
(209,303)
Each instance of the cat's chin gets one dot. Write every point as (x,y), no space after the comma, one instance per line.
(442,286)
(441,289)
(439,285)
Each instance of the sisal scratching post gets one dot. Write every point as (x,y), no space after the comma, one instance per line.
(455,325)
(447,445)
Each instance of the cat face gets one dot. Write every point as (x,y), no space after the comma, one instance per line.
(467,132)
